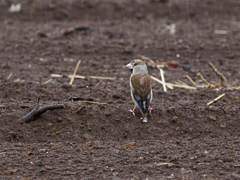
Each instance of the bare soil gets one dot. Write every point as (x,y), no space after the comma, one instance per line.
(184,138)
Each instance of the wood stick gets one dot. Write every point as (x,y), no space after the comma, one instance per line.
(217,72)
(190,79)
(200,75)
(16,80)
(159,81)
(163,164)
(99,77)
(176,82)
(93,77)
(163,80)
(9,76)
(77,76)
(183,83)
(75,71)
(37,112)
(219,97)
(145,58)
(98,83)
(92,102)
(79,109)
(48,81)
(169,85)
(57,75)
(181,86)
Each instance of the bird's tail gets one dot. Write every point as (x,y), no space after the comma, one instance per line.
(144,116)
(144,106)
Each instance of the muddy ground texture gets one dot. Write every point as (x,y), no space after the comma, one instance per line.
(184,138)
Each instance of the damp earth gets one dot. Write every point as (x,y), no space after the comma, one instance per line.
(94,136)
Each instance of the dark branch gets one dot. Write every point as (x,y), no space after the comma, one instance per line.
(37,112)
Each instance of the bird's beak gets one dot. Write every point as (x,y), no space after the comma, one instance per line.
(129,66)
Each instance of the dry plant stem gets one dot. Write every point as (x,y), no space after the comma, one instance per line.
(170,86)
(145,58)
(37,112)
(9,76)
(99,77)
(98,83)
(182,83)
(57,75)
(163,80)
(92,102)
(190,79)
(48,81)
(176,82)
(200,75)
(77,76)
(93,77)
(163,164)
(219,97)
(75,71)
(79,109)
(182,86)
(218,73)
(159,81)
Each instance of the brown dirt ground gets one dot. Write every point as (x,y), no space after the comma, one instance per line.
(184,139)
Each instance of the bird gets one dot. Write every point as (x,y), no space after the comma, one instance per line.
(140,87)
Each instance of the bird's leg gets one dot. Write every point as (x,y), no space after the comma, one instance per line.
(150,109)
(132,111)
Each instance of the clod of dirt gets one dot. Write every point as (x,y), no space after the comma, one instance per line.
(66,85)
(9,172)
(130,145)
(175,119)
(212,118)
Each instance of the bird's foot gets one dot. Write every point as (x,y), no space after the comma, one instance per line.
(132,111)
(150,109)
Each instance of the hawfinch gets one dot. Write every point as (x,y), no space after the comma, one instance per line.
(140,86)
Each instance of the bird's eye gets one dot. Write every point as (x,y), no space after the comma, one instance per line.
(135,64)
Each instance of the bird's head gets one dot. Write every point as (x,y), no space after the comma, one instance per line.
(137,66)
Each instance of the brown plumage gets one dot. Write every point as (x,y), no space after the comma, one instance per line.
(141,85)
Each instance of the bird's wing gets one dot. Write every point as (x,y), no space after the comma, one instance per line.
(141,89)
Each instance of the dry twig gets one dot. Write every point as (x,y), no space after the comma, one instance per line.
(170,86)
(37,112)
(200,75)
(146,58)
(79,109)
(93,102)
(159,81)
(57,75)
(75,71)
(190,79)
(31,116)
(222,77)
(219,97)
(183,83)
(48,81)
(98,83)
(163,80)
(163,164)
(99,77)
(93,77)
(77,76)
(9,76)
